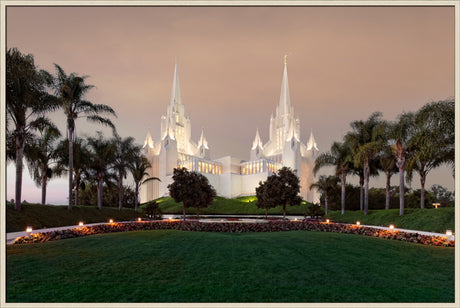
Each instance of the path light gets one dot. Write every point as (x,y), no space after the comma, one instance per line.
(295,219)
(449,232)
(392,227)
(111,221)
(80,223)
(327,220)
(436,205)
(170,217)
(29,229)
(358,223)
(139,219)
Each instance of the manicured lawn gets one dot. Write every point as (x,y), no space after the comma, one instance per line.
(242,205)
(181,266)
(433,220)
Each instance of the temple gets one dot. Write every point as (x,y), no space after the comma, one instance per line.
(231,177)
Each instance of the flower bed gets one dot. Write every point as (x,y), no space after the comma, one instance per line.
(270,226)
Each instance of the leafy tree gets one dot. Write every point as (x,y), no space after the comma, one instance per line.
(27,102)
(42,154)
(71,90)
(102,155)
(314,210)
(126,150)
(442,195)
(266,194)
(429,144)
(139,167)
(339,157)
(152,210)
(192,189)
(366,141)
(325,185)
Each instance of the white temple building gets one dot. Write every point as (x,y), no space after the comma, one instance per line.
(231,177)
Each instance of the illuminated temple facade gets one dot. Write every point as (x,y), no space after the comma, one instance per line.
(231,177)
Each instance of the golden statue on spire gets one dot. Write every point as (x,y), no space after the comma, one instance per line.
(285,59)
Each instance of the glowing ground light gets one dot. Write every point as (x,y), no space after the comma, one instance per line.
(449,232)
(111,221)
(327,220)
(139,219)
(392,227)
(358,223)
(29,229)
(170,217)
(295,219)
(80,223)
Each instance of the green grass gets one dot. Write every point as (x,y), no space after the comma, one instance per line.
(179,266)
(433,220)
(242,205)
(47,216)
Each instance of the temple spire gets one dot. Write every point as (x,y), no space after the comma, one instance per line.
(257,141)
(312,143)
(148,140)
(175,93)
(203,142)
(285,101)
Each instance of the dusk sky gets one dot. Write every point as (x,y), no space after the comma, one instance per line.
(343,63)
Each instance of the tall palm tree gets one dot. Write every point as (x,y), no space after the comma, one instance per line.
(42,154)
(27,102)
(400,134)
(71,90)
(339,157)
(324,185)
(139,167)
(126,150)
(366,141)
(102,155)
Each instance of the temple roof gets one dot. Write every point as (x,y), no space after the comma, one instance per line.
(257,141)
(312,143)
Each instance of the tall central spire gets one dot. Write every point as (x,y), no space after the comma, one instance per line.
(175,93)
(285,100)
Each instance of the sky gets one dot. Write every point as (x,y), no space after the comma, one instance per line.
(344,63)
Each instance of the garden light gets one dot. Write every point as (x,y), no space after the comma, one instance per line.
(139,219)
(358,223)
(111,221)
(80,223)
(449,232)
(327,220)
(170,217)
(295,219)
(29,229)
(436,205)
(392,227)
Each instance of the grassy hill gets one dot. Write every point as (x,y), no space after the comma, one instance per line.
(433,220)
(242,205)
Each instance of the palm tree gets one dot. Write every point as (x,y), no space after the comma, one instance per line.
(400,134)
(139,167)
(126,150)
(26,104)
(339,157)
(387,164)
(102,155)
(81,161)
(41,155)
(366,141)
(71,90)
(324,185)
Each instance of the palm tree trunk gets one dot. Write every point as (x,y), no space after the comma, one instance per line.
(136,202)
(325,203)
(44,183)
(361,193)
(120,192)
(422,189)
(366,187)
(99,191)
(343,180)
(183,211)
(284,211)
(77,188)
(387,190)
(19,166)
(401,191)
(70,131)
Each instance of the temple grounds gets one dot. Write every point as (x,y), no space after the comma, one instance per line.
(186,266)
